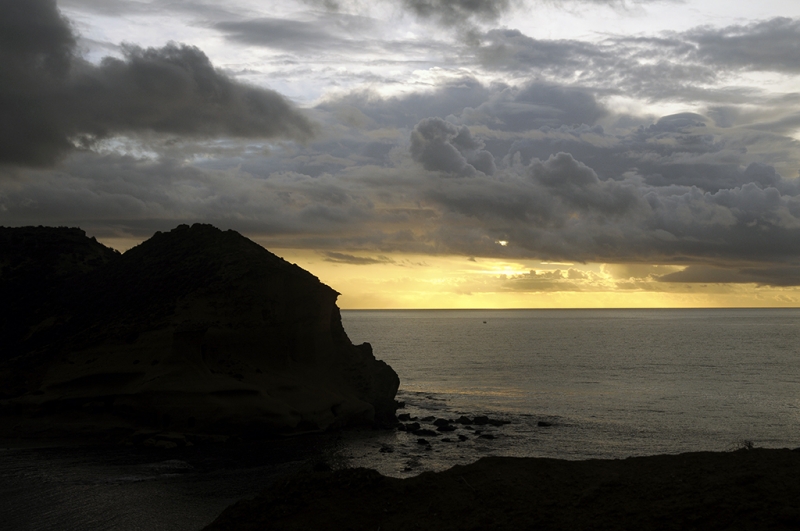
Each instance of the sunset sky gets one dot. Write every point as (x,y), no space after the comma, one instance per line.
(425,153)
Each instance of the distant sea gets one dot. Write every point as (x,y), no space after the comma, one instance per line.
(610,383)
(572,384)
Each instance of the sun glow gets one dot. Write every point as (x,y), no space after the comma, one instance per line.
(422,281)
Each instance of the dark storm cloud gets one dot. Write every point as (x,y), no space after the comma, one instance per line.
(578,186)
(176,89)
(441,146)
(36,52)
(51,100)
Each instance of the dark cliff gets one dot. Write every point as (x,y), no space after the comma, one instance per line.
(194,330)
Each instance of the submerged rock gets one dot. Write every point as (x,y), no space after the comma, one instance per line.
(195,330)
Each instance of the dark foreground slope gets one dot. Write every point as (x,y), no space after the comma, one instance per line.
(747,490)
(196,331)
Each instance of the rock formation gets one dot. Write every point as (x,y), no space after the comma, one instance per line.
(195,330)
(752,489)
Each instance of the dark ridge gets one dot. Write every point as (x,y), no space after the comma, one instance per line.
(193,323)
(139,290)
(36,263)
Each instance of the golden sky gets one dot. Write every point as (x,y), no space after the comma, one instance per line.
(423,281)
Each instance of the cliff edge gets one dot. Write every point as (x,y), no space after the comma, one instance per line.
(195,331)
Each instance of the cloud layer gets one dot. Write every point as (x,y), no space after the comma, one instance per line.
(53,101)
(677,148)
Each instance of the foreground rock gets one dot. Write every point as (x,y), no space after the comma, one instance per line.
(193,331)
(747,489)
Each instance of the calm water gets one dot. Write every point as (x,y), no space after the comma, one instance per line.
(611,383)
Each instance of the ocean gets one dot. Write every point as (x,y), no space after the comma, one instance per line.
(569,384)
(579,384)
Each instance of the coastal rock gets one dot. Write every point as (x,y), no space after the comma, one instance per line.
(748,489)
(195,330)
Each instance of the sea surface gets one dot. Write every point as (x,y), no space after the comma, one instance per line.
(609,383)
(571,384)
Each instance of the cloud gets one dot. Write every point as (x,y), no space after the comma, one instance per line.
(53,101)
(545,157)
(579,188)
(451,96)
(279,33)
(535,105)
(343,258)
(458,12)
(762,276)
(467,101)
(441,146)
(686,65)
(769,45)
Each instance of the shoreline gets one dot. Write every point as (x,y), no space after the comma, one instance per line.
(744,489)
(298,476)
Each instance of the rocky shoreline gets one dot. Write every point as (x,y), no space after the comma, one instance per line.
(749,489)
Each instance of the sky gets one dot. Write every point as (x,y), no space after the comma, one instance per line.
(425,153)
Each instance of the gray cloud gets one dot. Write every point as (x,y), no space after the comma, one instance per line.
(176,89)
(762,276)
(578,186)
(533,106)
(683,66)
(466,101)
(441,146)
(344,258)
(200,8)
(770,45)
(458,12)
(293,35)
(52,100)
(452,97)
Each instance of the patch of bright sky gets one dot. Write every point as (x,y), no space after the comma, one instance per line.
(576,20)
(411,281)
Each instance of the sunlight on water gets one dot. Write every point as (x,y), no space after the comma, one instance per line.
(609,383)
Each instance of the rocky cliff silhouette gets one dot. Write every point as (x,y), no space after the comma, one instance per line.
(195,330)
